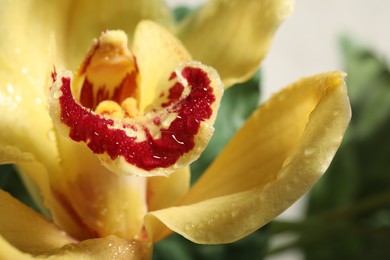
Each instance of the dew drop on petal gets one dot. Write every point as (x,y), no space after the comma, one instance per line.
(51,135)
(38,101)
(309,151)
(24,70)
(188,226)
(57,94)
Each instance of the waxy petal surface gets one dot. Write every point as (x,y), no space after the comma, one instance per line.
(104,203)
(164,192)
(100,248)
(25,125)
(156,60)
(233,36)
(26,229)
(27,135)
(278,155)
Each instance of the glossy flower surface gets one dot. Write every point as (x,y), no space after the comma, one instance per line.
(108,147)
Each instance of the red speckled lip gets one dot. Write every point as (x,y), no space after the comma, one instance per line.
(102,134)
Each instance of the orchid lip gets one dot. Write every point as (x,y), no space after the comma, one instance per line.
(155,142)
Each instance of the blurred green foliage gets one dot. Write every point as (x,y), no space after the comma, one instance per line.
(12,183)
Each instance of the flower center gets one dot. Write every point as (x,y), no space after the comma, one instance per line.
(107,78)
(171,133)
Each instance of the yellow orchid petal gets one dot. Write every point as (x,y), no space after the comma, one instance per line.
(104,203)
(26,131)
(233,36)
(164,192)
(158,54)
(26,230)
(273,160)
(88,18)
(111,247)
(7,251)
(25,127)
(51,184)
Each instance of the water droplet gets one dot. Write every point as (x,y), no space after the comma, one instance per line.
(188,226)
(215,217)
(38,101)
(24,70)
(10,89)
(234,213)
(309,151)
(99,223)
(57,94)
(336,113)
(201,225)
(177,140)
(104,211)
(51,135)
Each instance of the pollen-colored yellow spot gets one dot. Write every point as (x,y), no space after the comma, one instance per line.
(110,108)
(130,107)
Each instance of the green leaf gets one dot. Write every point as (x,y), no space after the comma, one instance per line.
(12,183)
(369,90)
(181,12)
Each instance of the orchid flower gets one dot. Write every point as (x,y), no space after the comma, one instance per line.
(103,138)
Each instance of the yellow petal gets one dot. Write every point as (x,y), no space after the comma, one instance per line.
(273,160)
(103,202)
(158,54)
(233,36)
(87,19)
(110,247)
(26,230)
(101,248)
(25,60)
(164,192)
(7,251)
(50,183)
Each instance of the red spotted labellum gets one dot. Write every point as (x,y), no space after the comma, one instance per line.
(100,107)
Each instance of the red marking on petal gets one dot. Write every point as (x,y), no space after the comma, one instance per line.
(87,61)
(127,88)
(54,74)
(97,132)
(173,76)
(175,93)
(157,121)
